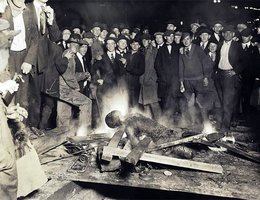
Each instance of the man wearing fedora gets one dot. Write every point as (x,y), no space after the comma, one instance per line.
(230,66)
(70,91)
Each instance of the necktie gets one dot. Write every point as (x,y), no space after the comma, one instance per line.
(187,52)
(112,58)
(42,21)
(169,48)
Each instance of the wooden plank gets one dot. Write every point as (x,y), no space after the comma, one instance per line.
(113,143)
(177,142)
(240,152)
(134,156)
(168,160)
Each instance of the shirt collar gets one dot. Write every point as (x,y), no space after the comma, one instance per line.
(38,4)
(228,43)
(79,55)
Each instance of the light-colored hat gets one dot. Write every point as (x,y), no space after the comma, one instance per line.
(17,4)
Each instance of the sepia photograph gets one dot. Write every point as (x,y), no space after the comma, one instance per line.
(129,99)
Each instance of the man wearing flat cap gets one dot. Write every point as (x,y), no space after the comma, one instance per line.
(166,66)
(159,40)
(70,91)
(250,55)
(204,35)
(230,66)
(217,28)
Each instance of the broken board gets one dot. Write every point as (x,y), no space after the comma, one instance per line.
(168,160)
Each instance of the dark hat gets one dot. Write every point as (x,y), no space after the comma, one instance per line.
(213,40)
(20,4)
(65,28)
(146,36)
(136,39)
(88,35)
(185,34)
(75,38)
(122,37)
(83,42)
(217,22)
(168,32)
(229,28)
(158,33)
(111,38)
(204,30)
(136,30)
(96,24)
(172,21)
(114,26)
(124,26)
(246,32)
(104,27)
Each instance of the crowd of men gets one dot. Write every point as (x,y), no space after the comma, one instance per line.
(185,73)
(191,71)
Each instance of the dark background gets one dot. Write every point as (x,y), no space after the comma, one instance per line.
(151,12)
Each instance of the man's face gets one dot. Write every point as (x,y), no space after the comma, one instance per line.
(194,28)
(116,31)
(103,34)
(170,27)
(135,46)
(96,31)
(228,35)
(204,37)
(159,39)
(66,34)
(258,30)
(177,39)
(89,41)
(111,45)
(169,39)
(122,44)
(213,47)
(74,47)
(246,39)
(186,41)
(146,42)
(83,49)
(217,28)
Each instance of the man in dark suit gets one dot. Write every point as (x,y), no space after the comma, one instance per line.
(167,69)
(217,28)
(44,20)
(63,43)
(23,51)
(204,35)
(230,66)
(250,54)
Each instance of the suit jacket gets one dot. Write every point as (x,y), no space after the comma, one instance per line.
(31,35)
(213,38)
(108,71)
(52,32)
(60,43)
(167,65)
(235,56)
(79,70)
(135,67)
(57,65)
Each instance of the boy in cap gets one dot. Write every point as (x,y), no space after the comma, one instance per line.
(194,77)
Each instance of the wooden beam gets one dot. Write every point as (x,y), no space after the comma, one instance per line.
(177,142)
(168,160)
(113,143)
(134,156)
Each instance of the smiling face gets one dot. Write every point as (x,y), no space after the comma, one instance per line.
(122,44)
(204,37)
(135,46)
(159,39)
(228,35)
(187,41)
(74,47)
(111,45)
(217,28)
(169,39)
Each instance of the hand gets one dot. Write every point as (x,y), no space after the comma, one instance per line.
(182,88)
(8,86)
(205,82)
(50,14)
(88,76)
(69,54)
(100,81)
(26,68)
(123,60)
(181,50)
(16,112)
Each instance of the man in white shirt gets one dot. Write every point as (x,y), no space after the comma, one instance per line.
(23,51)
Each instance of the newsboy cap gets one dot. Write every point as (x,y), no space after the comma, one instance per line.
(246,32)
(168,32)
(229,28)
